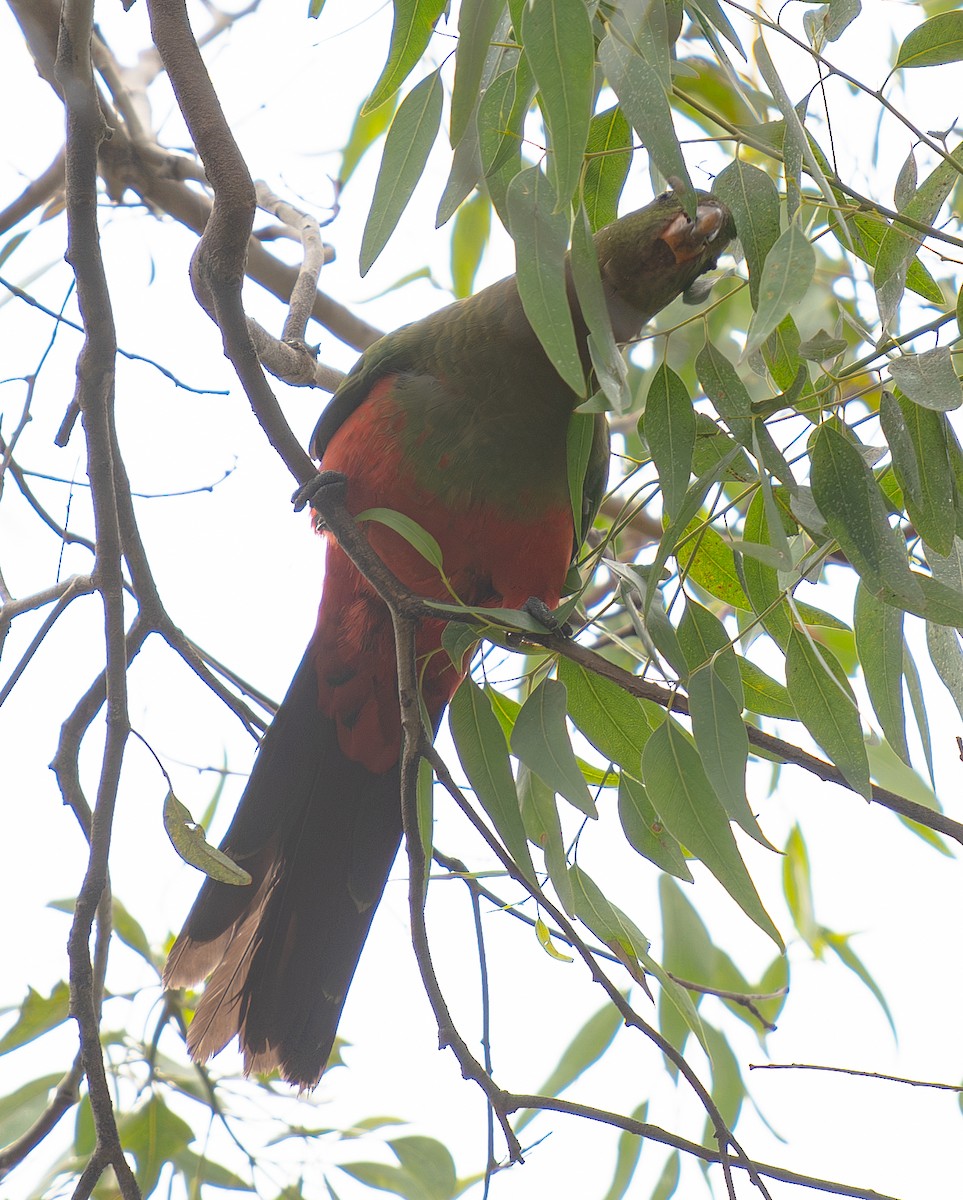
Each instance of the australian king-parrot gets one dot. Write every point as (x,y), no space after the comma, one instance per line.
(458,421)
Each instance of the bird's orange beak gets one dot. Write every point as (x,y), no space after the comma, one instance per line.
(687,239)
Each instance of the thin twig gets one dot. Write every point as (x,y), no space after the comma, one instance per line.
(923,1083)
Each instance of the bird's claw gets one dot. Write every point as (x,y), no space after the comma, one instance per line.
(324,481)
(539,611)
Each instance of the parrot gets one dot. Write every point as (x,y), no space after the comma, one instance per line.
(458,421)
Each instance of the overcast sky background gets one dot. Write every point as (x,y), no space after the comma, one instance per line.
(242,577)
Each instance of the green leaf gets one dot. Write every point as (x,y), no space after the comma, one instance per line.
(645,832)
(130,932)
(881,646)
(947,657)
(797,888)
(430,1163)
(839,944)
(541,236)
(367,128)
(763,694)
(917,436)
(419,539)
(607,361)
(668,1181)
(586,1048)
(154,1136)
(540,739)
(469,238)
(414,23)
(557,36)
(542,826)
(426,1170)
(899,244)
(728,1088)
(827,707)
(754,202)
(830,20)
(483,752)
(928,379)
(189,841)
(938,40)
(407,146)
(477,20)
(891,772)
(868,233)
(668,424)
(673,771)
(609,154)
(707,559)
(578,452)
(848,495)
(786,278)
(732,402)
(199,1171)
(22,1107)
(612,720)
(627,1157)
(609,924)
(645,103)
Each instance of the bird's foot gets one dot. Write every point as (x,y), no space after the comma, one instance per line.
(331,482)
(539,610)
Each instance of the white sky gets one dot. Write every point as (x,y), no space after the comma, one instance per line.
(242,577)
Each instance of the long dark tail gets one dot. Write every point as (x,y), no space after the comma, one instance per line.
(318,834)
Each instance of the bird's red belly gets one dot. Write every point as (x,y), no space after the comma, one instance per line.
(492,555)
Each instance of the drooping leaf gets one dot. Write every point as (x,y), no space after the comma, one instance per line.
(541,237)
(763,694)
(827,707)
(645,832)
(612,720)
(540,739)
(542,825)
(37,1015)
(627,1157)
(673,771)
(732,402)
(643,99)
(919,446)
(669,427)
(929,379)
(938,40)
(414,23)
(754,202)
(407,146)
(483,752)
(607,361)
(468,241)
(881,646)
(707,559)
(848,495)
(22,1107)
(189,841)
(899,243)
(586,1048)
(557,36)
(477,20)
(367,128)
(154,1136)
(786,277)
(609,154)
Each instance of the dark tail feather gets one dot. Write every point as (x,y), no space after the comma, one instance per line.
(318,834)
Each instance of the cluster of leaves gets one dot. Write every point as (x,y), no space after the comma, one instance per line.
(819,439)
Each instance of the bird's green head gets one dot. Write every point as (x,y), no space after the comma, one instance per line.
(649,257)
